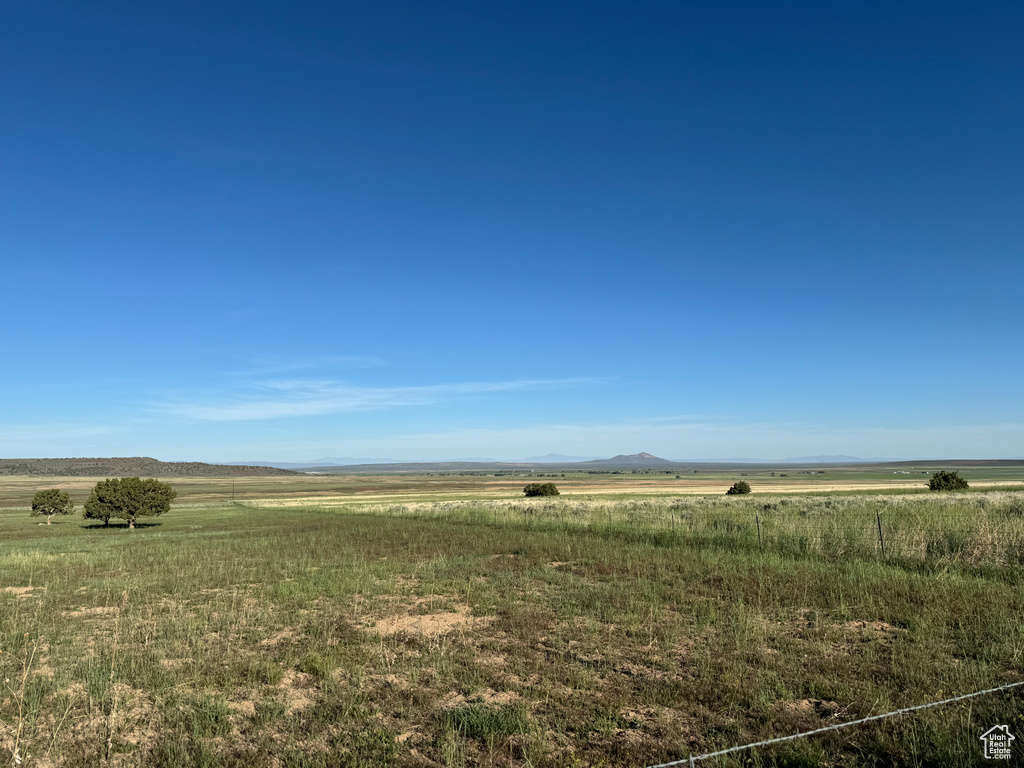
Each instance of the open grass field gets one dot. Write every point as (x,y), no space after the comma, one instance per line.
(425,625)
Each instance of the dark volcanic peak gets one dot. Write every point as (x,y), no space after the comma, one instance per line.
(128,467)
(633,460)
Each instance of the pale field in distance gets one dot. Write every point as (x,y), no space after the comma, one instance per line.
(17,491)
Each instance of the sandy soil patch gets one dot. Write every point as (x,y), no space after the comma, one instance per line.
(398,682)
(294,686)
(245,708)
(487,696)
(872,629)
(278,638)
(134,720)
(491,661)
(102,610)
(823,709)
(432,624)
(20,592)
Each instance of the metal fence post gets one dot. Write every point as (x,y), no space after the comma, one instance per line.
(757,519)
(881,541)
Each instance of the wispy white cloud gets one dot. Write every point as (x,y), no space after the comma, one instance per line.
(283,398)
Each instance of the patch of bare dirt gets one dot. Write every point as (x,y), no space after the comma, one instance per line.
(487,696)
(871,629)
(411,735)
(134,720)
(92,613)
(245,708)
(491,660)
(397,681)
(20,592)
(42,663)
(295,688)
(823,709)
(432,624)
(279,638)
(647,716)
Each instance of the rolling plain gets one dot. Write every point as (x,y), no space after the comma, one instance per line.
(420,619)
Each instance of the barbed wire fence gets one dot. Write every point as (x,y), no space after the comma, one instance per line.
(693,759)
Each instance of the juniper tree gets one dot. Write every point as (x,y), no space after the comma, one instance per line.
(51,502)
(541,489)
(127,498)
(739,487)
(947,481)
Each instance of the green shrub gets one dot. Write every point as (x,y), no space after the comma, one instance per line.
(947,481)
(742,486)
(541,489)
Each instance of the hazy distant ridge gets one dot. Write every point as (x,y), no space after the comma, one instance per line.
(130,466)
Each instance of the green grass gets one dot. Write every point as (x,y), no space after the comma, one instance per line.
(544,633)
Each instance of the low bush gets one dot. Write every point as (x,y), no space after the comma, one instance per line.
(541,489)
(739,487)
(947,481)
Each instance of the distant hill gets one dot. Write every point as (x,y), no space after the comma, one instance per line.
(130,467)
(325,462)
(621,461)
(632,460)
(827,460)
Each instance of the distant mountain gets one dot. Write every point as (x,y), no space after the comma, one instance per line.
(326,462)
(826,460)
(632,460)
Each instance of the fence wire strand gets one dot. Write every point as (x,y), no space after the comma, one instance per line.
(778,740)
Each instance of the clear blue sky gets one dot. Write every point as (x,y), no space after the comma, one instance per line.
(427,230)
